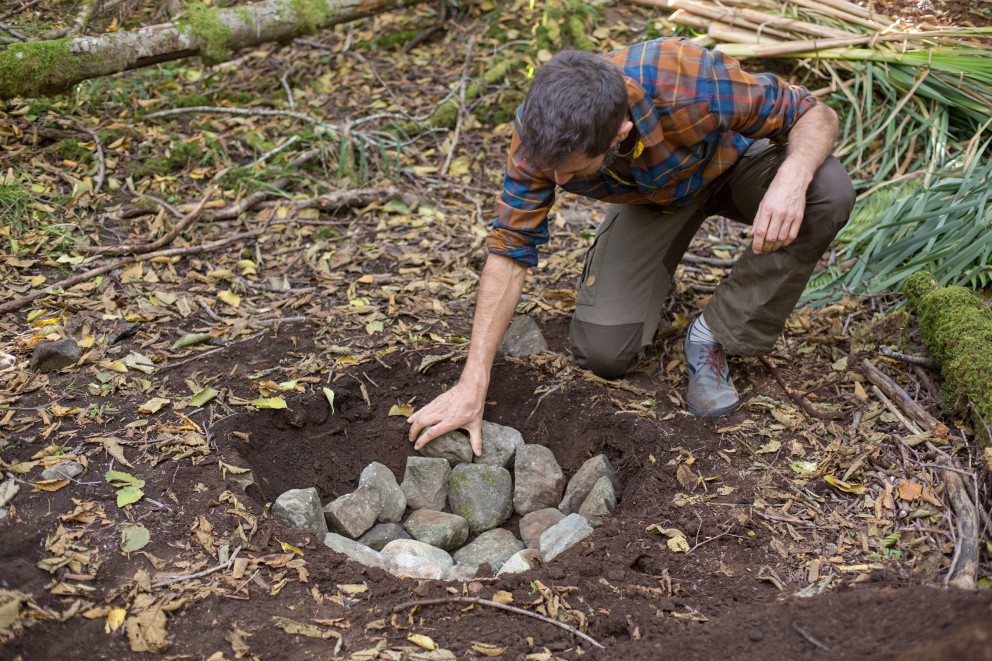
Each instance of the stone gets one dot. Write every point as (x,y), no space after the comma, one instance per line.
(493,547)
(454,446)
(61,470)
(356,551)
(392,500)
(482,495)
(353,513)
(583,481)
(425,482)
(381,534)
(600,503)
(408,557)
(440,529)
(51,356)
(461,573)
(539,479)
(563,535)
(535,523)
(300,509)
(499,444)
(523,338)
(520,561)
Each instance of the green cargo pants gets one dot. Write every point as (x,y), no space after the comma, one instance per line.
(629,268)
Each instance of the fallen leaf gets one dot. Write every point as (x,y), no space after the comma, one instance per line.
(269,403)
(113,447)
(153,405)
(770,447)
(134,537)
(404,410)
(909,490)
(353,588)
(329,394)
(485,649)
(846,487)
(115,618)
(203,396)
(230,298)
(421,640)
(51,485)
(146,630)
(191,339)
(503,597)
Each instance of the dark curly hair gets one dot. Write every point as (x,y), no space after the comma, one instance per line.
(577,102)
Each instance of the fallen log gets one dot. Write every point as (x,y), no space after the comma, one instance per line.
(39,68)
(957,330)
(917,413)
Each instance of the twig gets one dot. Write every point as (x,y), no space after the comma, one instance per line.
(894,410)
(14,33)
(906,403)
(922,361)
(251,112)
(212,351)
(800,401)
(964,570)
(809,639)
(18,303)
(462,85)
(289,90)
(513,609)
(201,574)
(710,539)
(164,240)
(272,152)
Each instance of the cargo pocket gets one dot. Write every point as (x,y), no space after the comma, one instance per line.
(592,267)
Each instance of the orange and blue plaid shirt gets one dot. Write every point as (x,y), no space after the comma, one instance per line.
(694,112)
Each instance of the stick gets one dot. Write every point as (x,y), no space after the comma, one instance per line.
(913,410)
(165,240)
(800,401)
(18,303)
(201,574)
(272,152)
(907,423)
(963,574)
(922,361)
(461,107)
(812,641)
(513,609)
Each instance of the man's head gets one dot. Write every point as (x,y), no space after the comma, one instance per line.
(575,114)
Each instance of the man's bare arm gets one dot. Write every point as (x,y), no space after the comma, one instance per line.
(811,141)
(461,407)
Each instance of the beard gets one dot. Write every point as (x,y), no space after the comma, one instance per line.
(608,159)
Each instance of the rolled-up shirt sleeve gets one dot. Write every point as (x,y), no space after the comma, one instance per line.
(756,105)
(521,223)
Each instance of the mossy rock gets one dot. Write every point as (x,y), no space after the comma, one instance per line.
(957,329)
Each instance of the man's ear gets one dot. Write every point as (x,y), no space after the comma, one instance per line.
(623,131)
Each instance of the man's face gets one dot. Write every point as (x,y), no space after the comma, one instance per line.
(578,166)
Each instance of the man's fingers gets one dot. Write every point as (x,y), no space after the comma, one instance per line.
(430,433)
(475,437)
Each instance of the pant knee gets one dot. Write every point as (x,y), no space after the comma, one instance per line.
(608,352)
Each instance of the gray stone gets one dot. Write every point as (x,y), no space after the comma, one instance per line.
(356,551)
(392,500)
(563,535)
(440,529)
(583,481)
(353,513)
(425,482)
(482,495)
(61,470)
(408,557)
(493,547)
(499,443)
(453,446)
(535,523)
(51,356)
(600,503)
(539,479)
(523,338)
(520,561)
(381,534)
(460,573)
(300,509)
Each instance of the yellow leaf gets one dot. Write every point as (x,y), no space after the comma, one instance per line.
(37,280)
(421,640)
(503,597)
(51,485)
(678,544)
(230,298)
(859,392)
(115,618)
(910,490)
(846,487)
(404,410)
(485,649)
(153,405)
(353,588)
(289,548)
(269,403)
(62,411)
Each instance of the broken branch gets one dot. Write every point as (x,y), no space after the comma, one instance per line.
(913,410)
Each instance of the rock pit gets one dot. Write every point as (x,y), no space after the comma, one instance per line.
(448,517)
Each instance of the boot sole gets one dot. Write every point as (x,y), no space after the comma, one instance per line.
(712,413)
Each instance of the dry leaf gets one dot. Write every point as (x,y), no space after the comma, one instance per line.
(115,618)
(503,597)
(421,640)
(485,649)
(153,405)
(910,490)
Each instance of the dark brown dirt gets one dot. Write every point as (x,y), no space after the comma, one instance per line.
(640,599)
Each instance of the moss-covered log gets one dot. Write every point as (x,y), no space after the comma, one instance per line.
(49,67)
(957,329)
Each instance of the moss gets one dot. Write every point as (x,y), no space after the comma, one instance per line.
(310,15)
(577,29)
(957,329)
(191,101)
(212,35)
(239,98)
(29,69)
(389,40)
(72,149)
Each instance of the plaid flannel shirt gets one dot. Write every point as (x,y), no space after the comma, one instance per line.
(694,111)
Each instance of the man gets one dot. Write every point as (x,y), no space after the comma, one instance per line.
(671,133)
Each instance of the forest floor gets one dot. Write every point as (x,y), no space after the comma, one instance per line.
(808,535)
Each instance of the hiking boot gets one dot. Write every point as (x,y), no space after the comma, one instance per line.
(711,392)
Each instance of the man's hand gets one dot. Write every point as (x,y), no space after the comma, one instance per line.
(459,408)
(780,213)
